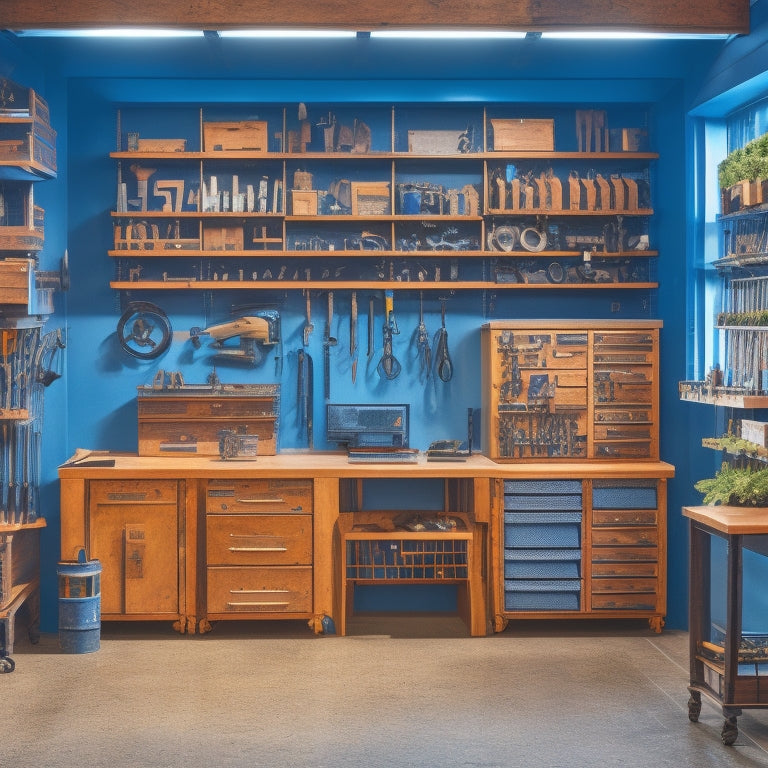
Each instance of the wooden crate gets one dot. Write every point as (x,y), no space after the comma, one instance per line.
(17,281)
(223,238)
(371,198)
(532,134)
(755,432)
(243,136)
(162,145)
(434,142)
(304,202)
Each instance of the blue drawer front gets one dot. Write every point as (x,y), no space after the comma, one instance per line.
(547,535)
(542,554)
(515,600)
(625,497)
(539,487)
(541,569)
(543,517)
(533,502)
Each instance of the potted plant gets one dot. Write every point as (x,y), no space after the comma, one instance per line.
(743,174)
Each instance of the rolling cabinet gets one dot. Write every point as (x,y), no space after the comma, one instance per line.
(374,195)
(258,549)
(580,548)
(564,390)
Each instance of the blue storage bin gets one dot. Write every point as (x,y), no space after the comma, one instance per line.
(546,535)
(542,486)
(542,554)
(625,497)
(543,595)
(560,501)
(541,569)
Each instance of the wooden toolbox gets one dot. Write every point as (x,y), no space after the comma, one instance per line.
(186,420)
(529,134)
(243,136)
(17,281)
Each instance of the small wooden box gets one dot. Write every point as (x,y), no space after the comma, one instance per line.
(371,198)
(755,432)
(242,136)
(17,281)
(162,145)
(530,134)
(434,142)
(304,202)
(223,239)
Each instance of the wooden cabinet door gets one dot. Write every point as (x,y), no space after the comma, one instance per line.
(133,530)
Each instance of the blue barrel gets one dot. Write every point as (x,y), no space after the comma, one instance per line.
(79,605)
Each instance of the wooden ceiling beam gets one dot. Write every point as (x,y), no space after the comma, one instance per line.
(693,16)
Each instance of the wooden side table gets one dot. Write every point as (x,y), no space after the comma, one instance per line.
(733,673)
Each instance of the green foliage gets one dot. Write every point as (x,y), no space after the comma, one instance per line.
(740,487)
(748,163)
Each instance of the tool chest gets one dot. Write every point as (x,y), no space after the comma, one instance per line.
(586,390)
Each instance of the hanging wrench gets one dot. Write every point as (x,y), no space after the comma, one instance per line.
(422,344)
(442,355)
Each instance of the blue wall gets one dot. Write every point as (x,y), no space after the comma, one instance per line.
(85,81)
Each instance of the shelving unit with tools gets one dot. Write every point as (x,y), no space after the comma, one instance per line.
(375,196)
(28,357)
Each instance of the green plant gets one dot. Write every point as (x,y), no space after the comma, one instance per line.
(747,163)
(736,486)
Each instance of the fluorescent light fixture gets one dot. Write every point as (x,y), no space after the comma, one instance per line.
(286,33)
(109,32)
(631,36)
(448,34)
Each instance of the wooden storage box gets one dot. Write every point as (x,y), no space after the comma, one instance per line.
(177,423)
(19,561)
(371,198)
(304,202)
(755,432)
(531,134)
(243,136)
(162,145)
(434,142)
(17,280)
(223,239)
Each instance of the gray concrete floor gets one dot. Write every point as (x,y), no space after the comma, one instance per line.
(396,692)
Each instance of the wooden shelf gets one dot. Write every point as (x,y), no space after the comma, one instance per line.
(352,285)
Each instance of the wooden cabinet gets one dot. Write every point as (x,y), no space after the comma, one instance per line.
(136,532)
(258,549)
(372,195)
(588,548)
(563,390)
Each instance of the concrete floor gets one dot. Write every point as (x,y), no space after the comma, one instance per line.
(396,693)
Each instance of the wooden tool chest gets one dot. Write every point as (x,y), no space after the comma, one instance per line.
(187,421)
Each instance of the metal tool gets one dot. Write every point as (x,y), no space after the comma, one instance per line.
(389,367)
(305,389)
(308,327)
(371,343)
(442,356)
(254,331)
(328,342)
(422,344)
(353,335)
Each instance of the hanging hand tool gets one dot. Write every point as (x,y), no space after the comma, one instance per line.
(308,327)
(305,388)
(389,367)
(8,339)
(353,335)
(442,355)
(328,342)
(422,344)
(371,343)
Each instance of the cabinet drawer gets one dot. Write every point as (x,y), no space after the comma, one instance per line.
(618,602)
(624,554)
(259,539)
(259,496)
(609,586)
(631,537)
(259,590)
(132,491)
(171,409)
(612,517)
(632,568)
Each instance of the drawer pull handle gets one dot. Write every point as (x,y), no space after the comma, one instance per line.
(258,591)
(277,500)
(258,549)
(255,605)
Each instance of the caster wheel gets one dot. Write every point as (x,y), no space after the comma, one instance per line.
(694,709)
(730,732)
(7,664)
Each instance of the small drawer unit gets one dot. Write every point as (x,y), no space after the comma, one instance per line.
(259,548)
(542,545)
(626,550)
